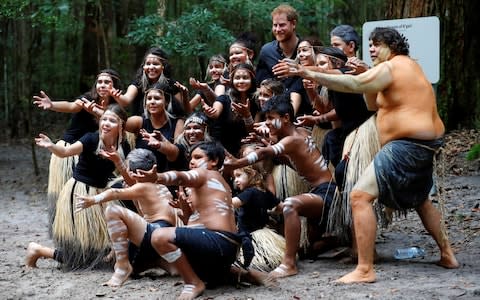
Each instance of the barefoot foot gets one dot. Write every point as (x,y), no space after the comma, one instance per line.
(283,271)
(33,254)
(358,276)
(191,291)
(119,276)
(448,262)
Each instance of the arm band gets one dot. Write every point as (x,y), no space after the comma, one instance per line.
(252,157)
(99,198)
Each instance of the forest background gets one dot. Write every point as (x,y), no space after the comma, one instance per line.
(59,46)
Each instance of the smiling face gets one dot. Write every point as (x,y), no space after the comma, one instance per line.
(200,160)
(110,124)
(238,54)
(155,101)
(264,94)
(379,52)
(194,133)
(153,67)
(274,122)
(215,69)
(242,80)
(104,85)
(282,28)
(305,54)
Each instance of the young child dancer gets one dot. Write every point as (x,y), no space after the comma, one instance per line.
(252,205)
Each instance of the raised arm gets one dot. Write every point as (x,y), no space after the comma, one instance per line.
(61,151)
(43,101)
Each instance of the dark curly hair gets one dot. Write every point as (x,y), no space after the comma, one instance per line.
(392,38)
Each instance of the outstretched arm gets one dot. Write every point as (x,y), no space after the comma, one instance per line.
(135,192)
(372,81)
(61,151)
(43,101)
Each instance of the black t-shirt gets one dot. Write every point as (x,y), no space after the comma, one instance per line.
(227,128)
(92,169)
(182,161)
(168,131)
(351,109)
(253,214)
(136,108)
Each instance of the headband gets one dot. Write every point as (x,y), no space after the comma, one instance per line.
(194,119)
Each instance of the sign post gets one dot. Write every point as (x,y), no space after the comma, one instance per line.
(423,35)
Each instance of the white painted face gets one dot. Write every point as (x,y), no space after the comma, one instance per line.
(194,133)
(238,55)
(379,52)
(155,101)
(109,124)
(305,54)
(240,179)
(104,85)
(242,80)
(273,122)
(199,160)
(153,67)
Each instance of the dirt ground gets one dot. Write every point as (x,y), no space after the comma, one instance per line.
(24,219)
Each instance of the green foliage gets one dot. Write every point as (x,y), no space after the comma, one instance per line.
(474,153)
(50,16)
(144,30)
(197,33)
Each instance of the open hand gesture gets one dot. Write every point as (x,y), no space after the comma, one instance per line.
(43,101)
(43,141)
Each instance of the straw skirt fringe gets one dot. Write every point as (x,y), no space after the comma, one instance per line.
(83,236)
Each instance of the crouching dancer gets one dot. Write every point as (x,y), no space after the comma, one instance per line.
(205,249)
(129,232)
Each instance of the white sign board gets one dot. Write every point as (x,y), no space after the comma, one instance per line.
(423,35)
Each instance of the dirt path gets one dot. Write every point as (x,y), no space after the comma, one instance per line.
(23,219)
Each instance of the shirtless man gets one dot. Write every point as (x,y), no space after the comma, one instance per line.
(205,249)
(410,132)
(300,151)
(124,226)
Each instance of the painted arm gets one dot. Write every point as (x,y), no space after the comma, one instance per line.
(372,81)
(135,192)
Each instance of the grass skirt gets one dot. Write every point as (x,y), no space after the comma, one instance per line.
(269,249)
(361,145)
(59,171)
(82,237)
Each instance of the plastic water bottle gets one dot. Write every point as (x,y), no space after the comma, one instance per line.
(407,253)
